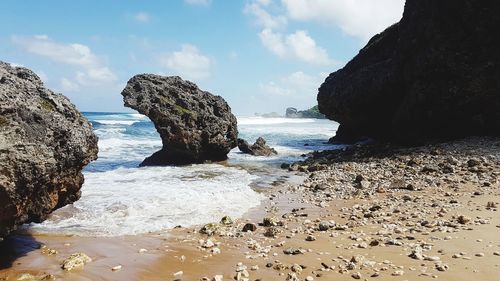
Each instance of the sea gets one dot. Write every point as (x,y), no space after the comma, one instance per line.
(120,198)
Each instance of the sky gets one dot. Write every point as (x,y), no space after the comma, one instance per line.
(260,55)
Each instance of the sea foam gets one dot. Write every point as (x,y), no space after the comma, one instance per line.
(141,200)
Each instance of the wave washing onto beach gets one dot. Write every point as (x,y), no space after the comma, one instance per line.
(118,198)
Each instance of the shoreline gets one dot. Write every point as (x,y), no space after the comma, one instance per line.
(377,226)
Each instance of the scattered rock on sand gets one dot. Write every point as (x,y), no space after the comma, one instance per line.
(116,268)
(249,227)
(226,220)
(75,261)
(293,251)
(210,229)
(463,219)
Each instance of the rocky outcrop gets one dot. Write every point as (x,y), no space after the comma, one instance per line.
(259,148)
(195,126)
(292,112)
(432,76)
(44,145)
(312,112)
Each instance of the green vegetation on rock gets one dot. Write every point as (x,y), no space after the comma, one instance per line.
(312,112)
(184,111)
(3,121)
(47,105)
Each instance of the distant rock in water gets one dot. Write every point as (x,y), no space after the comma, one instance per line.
(44,145)
(312,112)
(259,148)
(195,126)
(432,76)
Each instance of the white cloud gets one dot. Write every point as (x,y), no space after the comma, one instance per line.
(142,17)
(274,42)
(358,18)
(198,2)
(297,45)
(13,64)
(90,68)
(262,17)
(188,62)
(43,76)
(297,85)
(67,85)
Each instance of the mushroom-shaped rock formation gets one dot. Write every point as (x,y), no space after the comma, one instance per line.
(195,126)
(432,76)
(44,145)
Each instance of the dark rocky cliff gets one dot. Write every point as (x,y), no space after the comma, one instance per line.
(44,145)
(435,75)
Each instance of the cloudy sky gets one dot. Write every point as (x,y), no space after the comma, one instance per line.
(260,55)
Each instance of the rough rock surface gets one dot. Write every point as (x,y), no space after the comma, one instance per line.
(259,148)
(44,145)
(195,126)
(432,76)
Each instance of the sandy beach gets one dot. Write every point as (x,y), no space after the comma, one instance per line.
(447,228)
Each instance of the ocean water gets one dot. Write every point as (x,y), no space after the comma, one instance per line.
(118,198)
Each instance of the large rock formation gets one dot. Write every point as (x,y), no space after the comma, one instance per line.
(44,145)
(432,76)
(194,125)
(259,148)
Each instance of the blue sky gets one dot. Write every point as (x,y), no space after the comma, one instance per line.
(260,55)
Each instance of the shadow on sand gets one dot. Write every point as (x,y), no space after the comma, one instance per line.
(16,246)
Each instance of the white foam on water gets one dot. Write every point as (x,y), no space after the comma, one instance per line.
(117,122)
(142,200)
(129,148)
(270,121)
(136,115)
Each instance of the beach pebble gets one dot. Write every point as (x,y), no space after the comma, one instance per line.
(271,221)
(293,251)
(432,258)
(463,219)
(442,267)
(249,227)
(226,220)
(324,226)
(208,244)
(417,253)
(479,255)
(178,273)
(398,273)
(296,268)
(496,253)
(356,275)
(309,278)
(272,232)
(75,261)
(310,238)
(217,278)
(292,277)
(116,268)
